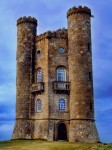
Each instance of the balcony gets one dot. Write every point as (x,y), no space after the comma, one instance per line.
(61,87)
(37,88)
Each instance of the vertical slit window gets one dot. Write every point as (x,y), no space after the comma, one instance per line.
(89,76)
(91,106)
(89,46)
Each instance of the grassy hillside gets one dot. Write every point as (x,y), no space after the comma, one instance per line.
(44,145)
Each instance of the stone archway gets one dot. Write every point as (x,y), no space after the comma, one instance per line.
(62,131)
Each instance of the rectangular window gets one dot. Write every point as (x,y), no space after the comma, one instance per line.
(61,74)
(61,105)
(89,76)
(91,106)
(89,46)
(39,78)
(38,105)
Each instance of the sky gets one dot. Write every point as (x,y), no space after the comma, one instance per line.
(51,15)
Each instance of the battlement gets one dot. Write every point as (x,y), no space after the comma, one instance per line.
(80,9)
(58,34)
(27,20)
(55,69)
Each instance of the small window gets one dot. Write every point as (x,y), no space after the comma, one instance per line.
(61,104)
(61,50)
(91,106)
(61,74)
(38,52)
(89,76)
(38,105)
(89,46)
(39,75)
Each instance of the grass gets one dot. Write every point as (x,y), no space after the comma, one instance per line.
(45,145)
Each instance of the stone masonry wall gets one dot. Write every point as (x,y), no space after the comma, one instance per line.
(25,45)
(80,73)
(83,131)
(35,52)
(41,118)
(57,59)
(80,64)
(42,62)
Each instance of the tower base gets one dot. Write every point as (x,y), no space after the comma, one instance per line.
(83,131)
(23,129)
(41,129)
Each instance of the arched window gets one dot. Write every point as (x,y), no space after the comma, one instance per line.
(38,105)
(39,75)
(38,52)
(61,74)
(61,104)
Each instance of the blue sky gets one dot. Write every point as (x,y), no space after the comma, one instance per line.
(51,15)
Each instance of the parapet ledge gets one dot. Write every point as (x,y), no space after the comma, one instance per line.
(79,9)
(28,19)
(59,34)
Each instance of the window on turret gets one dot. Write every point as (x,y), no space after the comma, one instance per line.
(89,46)
(39,75)
(61,104)
(61,74)
(38,52)
(38,105)
(91,106)
(89,76)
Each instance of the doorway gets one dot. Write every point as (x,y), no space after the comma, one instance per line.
(62,132)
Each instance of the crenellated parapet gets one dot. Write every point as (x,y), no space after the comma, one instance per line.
(54,82)
(78,10)
(58,34)
(27,20)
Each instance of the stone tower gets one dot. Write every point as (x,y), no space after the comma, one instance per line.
(25,47)
(82,127)
(54,81)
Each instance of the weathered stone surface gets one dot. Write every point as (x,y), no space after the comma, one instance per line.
(83,131)
(25,47)
(80,64)
(41,52)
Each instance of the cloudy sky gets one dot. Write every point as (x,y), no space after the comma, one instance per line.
(51,15)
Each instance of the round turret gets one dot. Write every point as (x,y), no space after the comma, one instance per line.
(80,75)
(25,71)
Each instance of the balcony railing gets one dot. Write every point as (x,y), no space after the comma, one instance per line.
(61,87)
(37,87)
